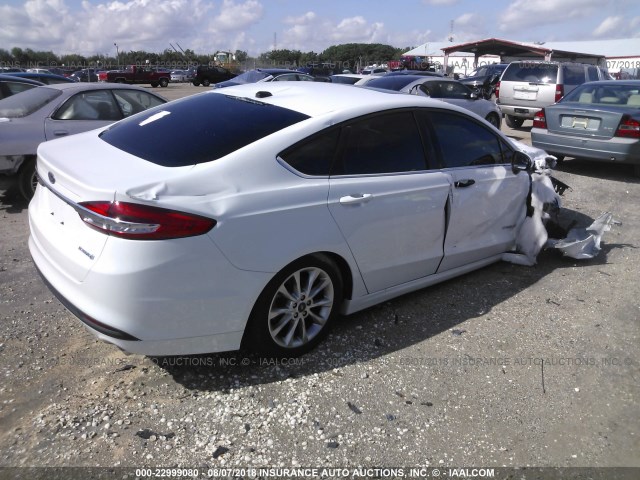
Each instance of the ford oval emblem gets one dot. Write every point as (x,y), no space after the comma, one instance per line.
(52,178)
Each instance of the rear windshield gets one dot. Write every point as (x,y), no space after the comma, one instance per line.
(605,93)
(198,129)
(531,72)
(26,102)
(393,82)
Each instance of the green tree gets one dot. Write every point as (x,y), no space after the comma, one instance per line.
(241,56)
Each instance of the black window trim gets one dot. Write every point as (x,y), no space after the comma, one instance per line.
(425,139)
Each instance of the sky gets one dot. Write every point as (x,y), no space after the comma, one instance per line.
(90,27)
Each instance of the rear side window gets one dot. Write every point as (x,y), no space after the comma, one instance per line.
(592,73)
(573,74)
(198,129)
(531,72)
(314,156)
(463,142)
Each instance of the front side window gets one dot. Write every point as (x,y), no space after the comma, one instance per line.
(463,142)
(387,143)
(449,90)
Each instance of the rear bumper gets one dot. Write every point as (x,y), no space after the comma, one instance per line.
(155,298)
(619,150)
(527,112)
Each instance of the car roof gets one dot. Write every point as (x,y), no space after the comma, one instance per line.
(320,98)
(276,71)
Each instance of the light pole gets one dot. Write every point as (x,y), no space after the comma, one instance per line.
(117,54)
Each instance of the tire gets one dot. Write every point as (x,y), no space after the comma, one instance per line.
(513,122)
(154,84)
(206,82)
(196,84)
(493,119)
(27,179)
(295,310)
(164,82)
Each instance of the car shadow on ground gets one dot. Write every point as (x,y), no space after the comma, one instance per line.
(11,201)
(604,170)
(385,329)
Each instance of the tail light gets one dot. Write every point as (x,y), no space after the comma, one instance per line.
(497,90)
(559,92)
(539,120)
(142,222)
(628,128)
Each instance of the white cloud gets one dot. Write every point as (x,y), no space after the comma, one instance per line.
(133,24)
(300,20)
(236,16)
(530,13)
(309,32)
(608,25)
(618,27)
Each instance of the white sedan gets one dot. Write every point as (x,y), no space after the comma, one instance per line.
(178,76)
(255,215)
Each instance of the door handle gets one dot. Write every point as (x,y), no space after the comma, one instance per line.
(464,183)
(356,198)
(60,133)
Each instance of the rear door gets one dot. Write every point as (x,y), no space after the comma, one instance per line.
(488,199)
(388,205)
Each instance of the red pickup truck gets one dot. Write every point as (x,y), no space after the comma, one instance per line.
(136,74)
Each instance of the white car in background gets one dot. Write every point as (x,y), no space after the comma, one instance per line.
(446,89)
(179,76)
(254,215)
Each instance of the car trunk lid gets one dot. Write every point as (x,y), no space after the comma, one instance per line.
(593,123)
(69,176)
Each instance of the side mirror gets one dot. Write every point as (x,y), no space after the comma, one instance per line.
(521,162)
(473,96)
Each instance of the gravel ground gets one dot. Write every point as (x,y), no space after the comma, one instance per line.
(506,366)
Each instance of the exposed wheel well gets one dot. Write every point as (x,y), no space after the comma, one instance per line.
(345,272)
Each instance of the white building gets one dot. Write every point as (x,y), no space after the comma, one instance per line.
(621,55)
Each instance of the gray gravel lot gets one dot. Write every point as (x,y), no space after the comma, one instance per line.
(506,366)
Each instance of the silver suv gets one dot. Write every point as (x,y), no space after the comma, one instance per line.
(526,87)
